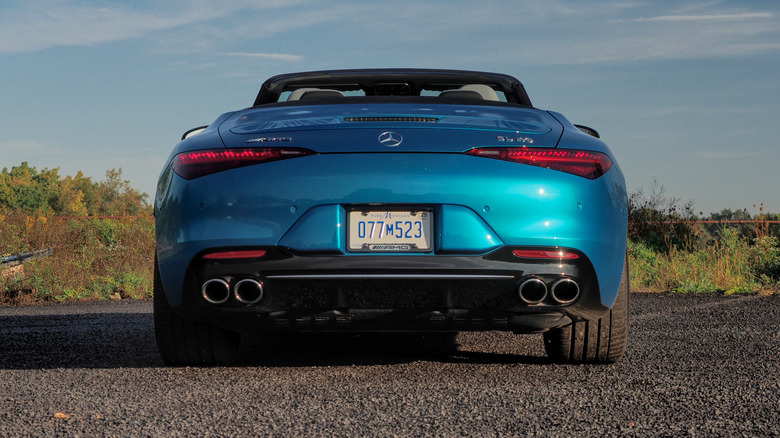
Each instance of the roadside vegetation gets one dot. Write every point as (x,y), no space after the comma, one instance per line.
(100,235)
(101,240)
(673,249)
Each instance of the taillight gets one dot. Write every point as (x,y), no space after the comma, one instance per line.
(587,164)
(195,164)
(235,255)
(544,254)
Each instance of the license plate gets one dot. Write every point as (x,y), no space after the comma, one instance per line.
(390,231)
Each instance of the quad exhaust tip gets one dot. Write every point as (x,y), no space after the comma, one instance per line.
(248,291)
(565,291)
(215,291)
(532,291)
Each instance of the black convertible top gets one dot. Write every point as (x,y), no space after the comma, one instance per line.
(391,82)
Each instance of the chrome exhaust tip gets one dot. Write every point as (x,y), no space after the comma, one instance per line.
(532,291)
(215,291)
(248,291)
(565,291)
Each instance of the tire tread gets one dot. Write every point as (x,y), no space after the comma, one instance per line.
(602,340)
(183,342)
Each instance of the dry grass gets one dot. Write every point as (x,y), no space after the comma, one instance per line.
(731,264)
(91,258)
(113,258)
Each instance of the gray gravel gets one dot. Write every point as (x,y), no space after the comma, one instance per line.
(697,365)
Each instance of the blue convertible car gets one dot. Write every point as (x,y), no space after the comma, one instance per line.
(391,200)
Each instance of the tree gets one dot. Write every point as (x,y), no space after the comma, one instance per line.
(118,197)
(25,190)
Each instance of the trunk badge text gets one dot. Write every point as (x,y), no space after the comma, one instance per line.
(524,140)
(268,139)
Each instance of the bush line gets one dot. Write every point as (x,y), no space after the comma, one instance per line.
(112,258)
(91,258)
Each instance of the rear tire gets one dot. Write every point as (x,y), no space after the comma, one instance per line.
(603,340)
(183,342)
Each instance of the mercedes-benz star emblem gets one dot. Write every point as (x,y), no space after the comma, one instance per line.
(390,139)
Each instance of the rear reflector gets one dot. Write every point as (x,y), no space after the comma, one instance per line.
(235,255)
(587,164)
(544,254)
(194,164)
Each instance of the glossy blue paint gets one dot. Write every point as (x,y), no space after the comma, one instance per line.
(528,206)
(458,230)
(462,231)
(481,205)
(459,127)
(319,230)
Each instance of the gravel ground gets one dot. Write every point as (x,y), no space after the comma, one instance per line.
(697,365)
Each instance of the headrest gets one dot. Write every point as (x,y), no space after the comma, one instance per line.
(460,94)
(320,94)
(485,91)
(296,94)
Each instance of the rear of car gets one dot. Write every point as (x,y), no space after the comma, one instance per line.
(391,200)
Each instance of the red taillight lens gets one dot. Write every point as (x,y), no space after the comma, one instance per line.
(235,255)
(544,254)
(587,164)
(195,164)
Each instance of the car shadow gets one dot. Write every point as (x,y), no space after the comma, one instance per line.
(340,349)
(82,340)
(126,340)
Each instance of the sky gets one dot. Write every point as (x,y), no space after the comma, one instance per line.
(685,93)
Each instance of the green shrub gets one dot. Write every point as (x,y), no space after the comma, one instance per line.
(765,259)
(26,190)
(659,222)
(731,264)
(90,259)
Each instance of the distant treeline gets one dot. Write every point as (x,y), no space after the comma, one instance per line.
(661,222)
(26,190)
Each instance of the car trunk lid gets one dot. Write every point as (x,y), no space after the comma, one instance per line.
(358,128)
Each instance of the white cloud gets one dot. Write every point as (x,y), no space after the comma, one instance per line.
(730,155)
(599,36)
(277,56)
(8,147)
(33,26)
(710,17)
(538,32)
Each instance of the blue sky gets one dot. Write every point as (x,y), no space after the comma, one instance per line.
(686,93)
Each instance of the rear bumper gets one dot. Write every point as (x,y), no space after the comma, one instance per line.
(397,320)
(482,209)
(391,293)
